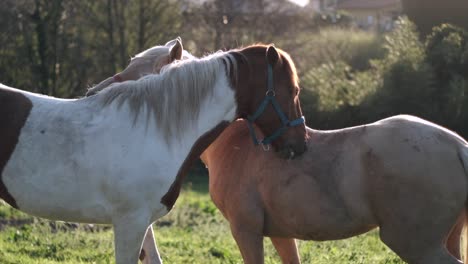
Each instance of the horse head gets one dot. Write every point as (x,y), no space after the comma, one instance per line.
(147,62)
(270,98)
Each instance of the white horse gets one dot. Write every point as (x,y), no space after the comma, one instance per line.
(119,157)
(147,62)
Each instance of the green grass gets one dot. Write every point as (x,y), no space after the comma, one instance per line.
(194,232)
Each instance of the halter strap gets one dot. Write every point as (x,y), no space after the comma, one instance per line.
(270,99)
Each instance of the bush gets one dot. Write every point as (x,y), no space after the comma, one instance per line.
(399,82)
(337,86)
(447,49)
(447,52)
(355,48)
(406,78)
(428,79)
(430,13)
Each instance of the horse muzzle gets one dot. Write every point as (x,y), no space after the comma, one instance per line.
(291,151)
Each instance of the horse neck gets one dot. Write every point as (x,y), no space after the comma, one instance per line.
(189,101)
(218,109)
(100,86)
(236,136)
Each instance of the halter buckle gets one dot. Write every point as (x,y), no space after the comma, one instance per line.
(266,147)
(270,93)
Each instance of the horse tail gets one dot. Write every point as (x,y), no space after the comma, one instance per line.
(463,156)
(464,242)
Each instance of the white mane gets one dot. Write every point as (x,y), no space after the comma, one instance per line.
(174,96)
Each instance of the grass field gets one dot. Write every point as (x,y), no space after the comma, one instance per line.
(194,232)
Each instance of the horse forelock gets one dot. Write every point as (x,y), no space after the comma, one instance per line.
(174,96)
(256,55)
(259,50)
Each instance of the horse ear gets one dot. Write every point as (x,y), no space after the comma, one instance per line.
(176,50)
(171,42)
(272,55)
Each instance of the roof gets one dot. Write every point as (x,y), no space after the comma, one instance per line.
(367,4)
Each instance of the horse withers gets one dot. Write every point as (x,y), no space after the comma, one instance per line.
(405,175)
(119,157)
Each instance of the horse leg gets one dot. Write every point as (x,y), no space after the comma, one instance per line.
(129,232)
(250,245)
(149,253)
(287,250)
(418,249)
(438,255)
(453,240)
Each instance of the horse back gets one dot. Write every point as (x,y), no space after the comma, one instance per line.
(14,110)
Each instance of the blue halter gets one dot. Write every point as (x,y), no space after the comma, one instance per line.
(270,98)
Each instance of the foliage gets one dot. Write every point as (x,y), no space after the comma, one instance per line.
(330,45)
(227,24)
(427,14)
(447,47)
(332,19)
(405,77)
(60,47)
(337,86)
(447,53)
(427,79)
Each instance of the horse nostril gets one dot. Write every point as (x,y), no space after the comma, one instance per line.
(291,154)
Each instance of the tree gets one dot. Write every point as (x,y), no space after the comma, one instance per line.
(427,14)
(59,47)
(226,24)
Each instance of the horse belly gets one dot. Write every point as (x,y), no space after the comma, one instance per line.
(68,190)
(53,195)
(317,225)
(43,175)
(316,208)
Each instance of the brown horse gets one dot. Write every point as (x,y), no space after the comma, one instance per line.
(403,174)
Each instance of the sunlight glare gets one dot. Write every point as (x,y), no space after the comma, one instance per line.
(300,2)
